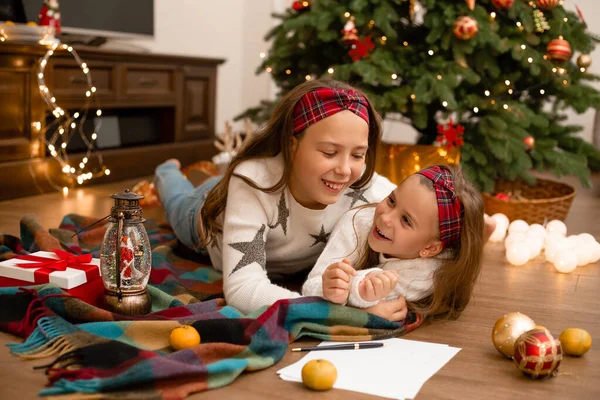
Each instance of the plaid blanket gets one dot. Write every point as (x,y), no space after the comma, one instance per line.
(93,351)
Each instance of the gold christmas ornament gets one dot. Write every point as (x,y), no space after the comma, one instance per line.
(508,329)
(465,28)
(398,161)
(584,61)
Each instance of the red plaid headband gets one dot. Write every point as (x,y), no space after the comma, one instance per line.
(325,102)
(450,210)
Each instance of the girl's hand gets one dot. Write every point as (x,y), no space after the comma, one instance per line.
(336,281)
(377,285)
(393,310)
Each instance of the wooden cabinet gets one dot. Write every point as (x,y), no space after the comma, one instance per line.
(168,103)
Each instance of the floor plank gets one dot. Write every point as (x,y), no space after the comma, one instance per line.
(556,301)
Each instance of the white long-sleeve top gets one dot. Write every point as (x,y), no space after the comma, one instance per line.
(271,234)
(415,278)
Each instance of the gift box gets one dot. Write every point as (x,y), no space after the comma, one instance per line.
(77,275)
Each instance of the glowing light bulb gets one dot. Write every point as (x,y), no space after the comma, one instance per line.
(530,59)
(307,77)
(66,168)
(61,131)
(76,115)
(64,145)
(85,159)
(79,180)
(430,52)
(507,82)
(94,136)
(542,91)
(88,93)
(65,191)
(493,14)
(81,165)
(523,46)
(413,96)
(445,103)
(83,65)
(262,55)
(439,77)
(107,171)
(487,93)
(73,125)
(505,106)
(51,147)
(475,110)
(269,69)
(99,112)
(93,89)
(394,76)
(331,70)
(347,14)
(72,170)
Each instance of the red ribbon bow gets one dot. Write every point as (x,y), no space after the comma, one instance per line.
(45,266)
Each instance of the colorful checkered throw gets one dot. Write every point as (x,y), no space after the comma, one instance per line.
(93,352)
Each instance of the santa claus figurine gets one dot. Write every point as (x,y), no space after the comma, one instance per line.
(350,32)
(50,15)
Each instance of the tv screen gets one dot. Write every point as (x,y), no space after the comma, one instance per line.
(103,18)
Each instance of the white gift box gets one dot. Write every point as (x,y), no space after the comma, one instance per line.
(66,279)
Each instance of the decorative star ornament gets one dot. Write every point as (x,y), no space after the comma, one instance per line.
(254,251)
(357,195)
(283,214)
(322,237)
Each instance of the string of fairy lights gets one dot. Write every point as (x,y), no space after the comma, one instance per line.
(495,96)
(65,126)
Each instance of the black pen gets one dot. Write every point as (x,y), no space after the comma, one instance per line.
(346,346)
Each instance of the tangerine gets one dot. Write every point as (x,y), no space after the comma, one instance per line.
(184,337)
(575,341)
(319,375)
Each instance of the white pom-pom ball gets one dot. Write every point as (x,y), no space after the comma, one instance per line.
(535,243)
(595,252)
(561,244)
(584,253)
(501,219)
(573,241)
(518,226)
(565,261)
(556,226)
(536,230)
(552,239)
(586,238)
(514,238)
(518,253)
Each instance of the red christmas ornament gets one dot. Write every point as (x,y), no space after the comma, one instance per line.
(559,50)
(547,4)
(50,15)
(451,135)
(465,28)
(537,353)
(529,142)
(503,4)
(300,5)
(361,48)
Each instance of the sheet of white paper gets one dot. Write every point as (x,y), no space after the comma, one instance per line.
(397,370)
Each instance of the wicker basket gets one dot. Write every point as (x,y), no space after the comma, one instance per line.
(544,201)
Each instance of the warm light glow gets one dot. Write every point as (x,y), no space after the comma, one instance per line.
(507,82)
(394,76)
(99,112)
(76,115)
(94,136)
(439,77)
(37,125)
(582,69)
(43,63)
(445,103)
(347,14)
(81,165)
(493,15)
(383,38)
(413,96)
(69,49)
(83,65)
(417,167)
(487,93)
(554,70)
(518,24)
(566,19)
(41,76)
(442,152)
(262,55)
(542,91)
(475,110)
(79,180)
(50,147)
(72,170)
(510,91)
(430,52)
(269,69)
(61,131)
(88,93)
(63,145)
(493,101)
(93,89)
(288,71)
(107,171)
(73,125)
(530,59)
(66,169)
(405,43)
(523,46)
(505,106)
(565,82)
(53,153)
(331,70)
(307,77)
(66,191)
(85,159)
(53,99)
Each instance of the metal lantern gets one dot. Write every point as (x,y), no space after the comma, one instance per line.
(126,258)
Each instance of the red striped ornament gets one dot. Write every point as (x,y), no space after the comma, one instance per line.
(547,4)
(559,50)
(503,3)
(465,28)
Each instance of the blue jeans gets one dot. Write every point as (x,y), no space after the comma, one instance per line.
(182,202)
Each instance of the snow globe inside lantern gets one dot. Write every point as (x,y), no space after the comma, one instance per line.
(126,257)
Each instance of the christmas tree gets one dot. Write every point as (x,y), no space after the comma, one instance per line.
(503,70)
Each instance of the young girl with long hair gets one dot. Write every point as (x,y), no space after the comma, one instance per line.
(272,212)
(424,241)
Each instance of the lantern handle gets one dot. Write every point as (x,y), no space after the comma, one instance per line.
(89,226)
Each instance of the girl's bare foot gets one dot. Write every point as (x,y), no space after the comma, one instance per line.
(175,161)
(488,228)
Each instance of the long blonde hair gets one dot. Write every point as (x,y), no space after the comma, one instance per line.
(275,138)
(454,280)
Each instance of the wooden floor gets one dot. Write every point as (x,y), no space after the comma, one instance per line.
(556,301)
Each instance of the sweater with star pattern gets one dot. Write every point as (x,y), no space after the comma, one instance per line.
(270,235)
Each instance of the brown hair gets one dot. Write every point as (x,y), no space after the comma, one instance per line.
(275,138)
(454,280)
